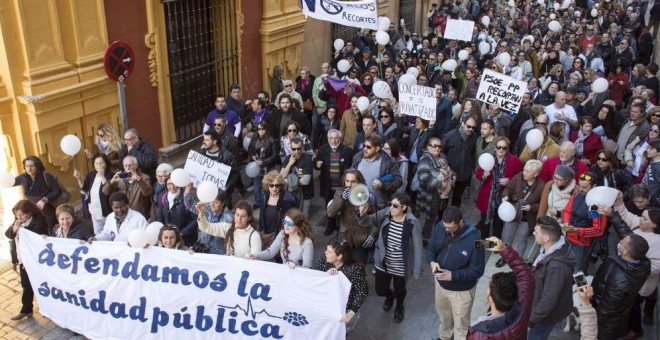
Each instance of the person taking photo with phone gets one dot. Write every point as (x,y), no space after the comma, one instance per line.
(457,266)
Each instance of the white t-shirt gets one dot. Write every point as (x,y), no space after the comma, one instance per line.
(567,110)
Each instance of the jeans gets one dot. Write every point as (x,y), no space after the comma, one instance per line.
(258,190)
(540,332)
(515,234)
(582,256)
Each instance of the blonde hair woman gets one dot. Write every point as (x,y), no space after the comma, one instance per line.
(108,142)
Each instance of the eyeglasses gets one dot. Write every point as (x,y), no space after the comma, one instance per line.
(288,85)
(585,177)
(653,130)
(292,130)
(296,149)
(501,147)
(470,127)
(218,125)
(394,205)
(288,224)
(656,115)
(384,116)
(540,123)
(368,147)
(382,107)
(273,185)
(261,129)
(602,159)
(435,146)
(100,135)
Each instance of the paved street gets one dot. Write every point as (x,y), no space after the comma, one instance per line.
(421,321)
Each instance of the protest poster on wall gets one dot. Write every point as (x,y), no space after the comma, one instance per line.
(459,29)
(360,14)
(418,101)
(202,168)
(500,89)
(107,290)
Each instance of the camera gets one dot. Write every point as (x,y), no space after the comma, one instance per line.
(124,174)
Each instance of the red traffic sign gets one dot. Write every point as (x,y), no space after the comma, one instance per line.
(118,60)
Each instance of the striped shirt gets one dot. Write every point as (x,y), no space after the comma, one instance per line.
(393,249)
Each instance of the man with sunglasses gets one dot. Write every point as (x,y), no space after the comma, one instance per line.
(459,146)
(380,171)
(299,166)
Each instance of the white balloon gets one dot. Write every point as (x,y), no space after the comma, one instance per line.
(599,85)
(339,44)
(180,177)
(556,6)
(504,59)
(382,37)
(413,71)
(463,55)
(534,139)
(207,192)
(594,12)
(382,90)
(153,229)
(554,26)
(485,20)
(343,66)
(7,180)
(486,161)
(383,24)
(552,16)
(511,3)
(449,65)
(565,4)
(246,142)
(70,145)
(138,238)
(363,103)
(506,211)
(577,14)
(601,195)
(407,79)
(541,2)
(484,47)
(252,169)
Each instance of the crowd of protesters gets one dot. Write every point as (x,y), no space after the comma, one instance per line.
(419,173)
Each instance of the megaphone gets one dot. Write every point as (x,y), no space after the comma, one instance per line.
(359,195)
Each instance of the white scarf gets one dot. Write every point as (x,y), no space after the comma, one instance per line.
(543,253)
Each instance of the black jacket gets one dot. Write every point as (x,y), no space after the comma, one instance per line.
(345,158)
(286,201)
(616,285)
(105,200)
(274,120)
(553,292)
(177,214)
(38,225)
(460,153)
(146,156)
(76,232)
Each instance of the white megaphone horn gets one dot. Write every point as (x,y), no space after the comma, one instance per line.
(358,195)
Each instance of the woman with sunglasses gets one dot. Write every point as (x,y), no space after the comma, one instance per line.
(27,215)
(169,237)
(276,201)
(338,258)
(292,131)
(241,239)
(264,151)
(582,224)
(367,80)
(109,143)
(607,171)
(398,250)
(634,155)
(493,183)
(294,243)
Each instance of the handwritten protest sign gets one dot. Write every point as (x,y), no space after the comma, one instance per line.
(107,290)
(417,101)
(202,168)
(500,89)
(459,29)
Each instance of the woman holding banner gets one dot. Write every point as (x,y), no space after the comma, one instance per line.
(294,243)
(241,239)
(27,216)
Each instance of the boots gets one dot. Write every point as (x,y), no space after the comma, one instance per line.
(649,307)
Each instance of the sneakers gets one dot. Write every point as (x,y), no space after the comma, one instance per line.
(387,305)
(398,314)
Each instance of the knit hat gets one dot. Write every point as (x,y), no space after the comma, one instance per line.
(565,172)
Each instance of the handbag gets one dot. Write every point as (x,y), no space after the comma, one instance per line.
(308,105)
(64,197)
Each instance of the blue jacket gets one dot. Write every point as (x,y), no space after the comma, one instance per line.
(458,255)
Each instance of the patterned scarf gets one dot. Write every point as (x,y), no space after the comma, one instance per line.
(495,190)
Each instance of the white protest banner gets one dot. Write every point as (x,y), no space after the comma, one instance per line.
(108,290)
(459,29)
(416,100)
(361,14)
(500,89)
(202,168)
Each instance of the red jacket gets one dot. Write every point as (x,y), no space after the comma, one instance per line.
(514,325)
(592,145)
(618,91)
(513,167)
(583,236)
(549,167)
(343,101)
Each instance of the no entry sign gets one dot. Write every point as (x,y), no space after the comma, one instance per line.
(118,60)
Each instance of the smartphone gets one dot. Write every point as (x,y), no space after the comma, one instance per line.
(478,244)
(580,279)
(124,174)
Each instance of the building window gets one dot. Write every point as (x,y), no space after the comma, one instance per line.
(202,45)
